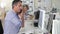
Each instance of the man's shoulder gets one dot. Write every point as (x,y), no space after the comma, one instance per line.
(9,15)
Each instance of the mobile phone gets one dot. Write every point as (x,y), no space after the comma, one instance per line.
(20,11)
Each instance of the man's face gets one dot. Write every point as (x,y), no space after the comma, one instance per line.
(18,7)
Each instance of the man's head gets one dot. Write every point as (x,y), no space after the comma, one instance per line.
(17,5)
(25,8)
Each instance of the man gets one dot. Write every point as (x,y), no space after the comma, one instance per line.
(12,21)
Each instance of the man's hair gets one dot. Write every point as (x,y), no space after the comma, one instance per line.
(26,6)
(15,2)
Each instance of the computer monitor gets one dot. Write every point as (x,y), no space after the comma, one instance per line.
(41,18)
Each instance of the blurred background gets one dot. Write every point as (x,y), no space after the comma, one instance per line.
(45,16)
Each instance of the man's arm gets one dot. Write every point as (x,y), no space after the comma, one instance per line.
(22,18)
(7,27)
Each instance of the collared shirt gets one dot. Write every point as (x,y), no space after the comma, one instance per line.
(12,23)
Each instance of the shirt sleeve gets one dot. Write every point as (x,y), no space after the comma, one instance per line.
(16,22)
(7,27)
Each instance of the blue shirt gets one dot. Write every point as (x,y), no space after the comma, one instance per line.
(12,23)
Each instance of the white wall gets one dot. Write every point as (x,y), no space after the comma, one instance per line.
(56,4)
(6,3)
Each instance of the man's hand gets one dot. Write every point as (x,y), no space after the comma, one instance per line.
(22,18)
